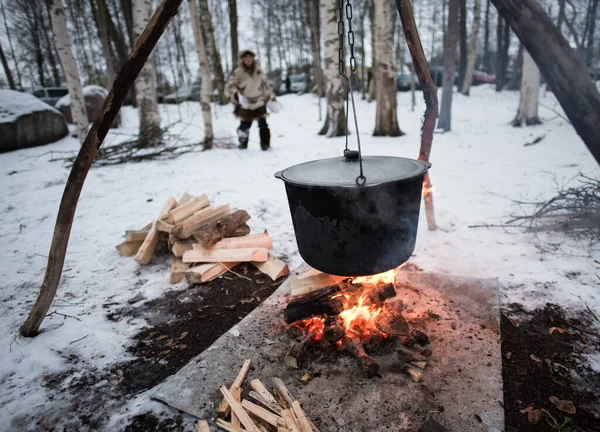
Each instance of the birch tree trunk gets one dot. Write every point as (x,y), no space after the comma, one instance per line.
(445,119)
(386,119)
(466,86)
(145,85)
(334,88)
(212,49)
(233,25)
(63,46)
(206,84)
(530,90)
(316,45)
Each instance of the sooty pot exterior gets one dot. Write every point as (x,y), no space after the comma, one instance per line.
(356,231)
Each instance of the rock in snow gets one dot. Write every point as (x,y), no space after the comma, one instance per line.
(94,96)
(26,121)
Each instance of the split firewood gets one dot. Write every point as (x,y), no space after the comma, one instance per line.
(185,229)
(163,226)
(239,411)
(254,241)
(414,374)
(136,235)
(266,396)
(290,420)
(225,255)
(228,426)
(202,426)
(185,198)
(128,248)
(294,356)
(391,322)
(314,282)
(263,414)
(206,272)
(242,231)
(275,407)
(237,395)
(419,364)
(303,422)
(355,347)
(306,377)
(181,246)
(223,410)
(185,210)
(178,269)
(283,391)
(144,254)
(210,233)
(273,267)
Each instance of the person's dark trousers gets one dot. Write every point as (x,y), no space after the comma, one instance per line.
(244,133)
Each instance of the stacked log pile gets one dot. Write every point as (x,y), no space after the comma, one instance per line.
(205,241)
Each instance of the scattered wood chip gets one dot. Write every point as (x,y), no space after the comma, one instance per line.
(560,330)
(202,426)
(306,377)
(563,405)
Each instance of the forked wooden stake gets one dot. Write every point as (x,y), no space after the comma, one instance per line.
(66,211)
(429,94)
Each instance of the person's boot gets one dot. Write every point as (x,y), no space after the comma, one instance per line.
(243,135)
(265,138)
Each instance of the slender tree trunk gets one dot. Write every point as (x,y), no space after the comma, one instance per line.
(499,53)
(206,85)
(462,65)
(363,86)
(591,35)
(47,30)
(10,45)
(316,46)
(233,24)
(334,89)
(83,162)
(386,118)
(515,82)
(466,85)
(487,62)
(102,18)
(212,49)
(127,7)
(63,45)
(145,85)
(373,81)
(530,90)
(566,74)
(561,15)
(444,4)
(445,120)
(7,72)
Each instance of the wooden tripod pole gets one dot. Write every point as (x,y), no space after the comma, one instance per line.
(66,211)
(429,94)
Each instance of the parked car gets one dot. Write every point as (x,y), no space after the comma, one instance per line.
(480,77)
(437,75)
(403,82)
(184,94)
(297,84)
(51,95)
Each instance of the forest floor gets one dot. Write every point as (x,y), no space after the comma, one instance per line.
(97,358)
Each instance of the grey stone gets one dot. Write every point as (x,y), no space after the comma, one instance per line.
(93,96)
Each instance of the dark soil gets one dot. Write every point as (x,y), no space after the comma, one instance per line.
(537,365)
(181,324)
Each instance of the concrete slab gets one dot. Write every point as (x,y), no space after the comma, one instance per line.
(461,390)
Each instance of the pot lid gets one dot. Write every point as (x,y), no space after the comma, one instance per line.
(339,171)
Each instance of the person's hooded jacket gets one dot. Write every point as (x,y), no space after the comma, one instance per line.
(251,82)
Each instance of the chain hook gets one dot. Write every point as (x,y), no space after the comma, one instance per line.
(361,180)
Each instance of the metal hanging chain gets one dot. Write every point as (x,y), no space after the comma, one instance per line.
(361,179)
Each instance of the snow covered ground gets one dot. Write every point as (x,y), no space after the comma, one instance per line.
(478,168)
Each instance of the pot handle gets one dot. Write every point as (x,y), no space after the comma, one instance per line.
(278,175)
(427,164)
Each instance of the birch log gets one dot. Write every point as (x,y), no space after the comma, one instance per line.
(472,58)
(530,93)
(63,46)
(212,49)
(386,118)
(145,85)
(334,88)
(206,82)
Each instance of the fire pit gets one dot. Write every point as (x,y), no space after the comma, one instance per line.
(356,315)
(460,389)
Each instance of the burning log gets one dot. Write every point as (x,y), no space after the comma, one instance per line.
(355,347)
(294,356)
(210,233)
(332,300)
(334,330)
(391,322)
(420,337)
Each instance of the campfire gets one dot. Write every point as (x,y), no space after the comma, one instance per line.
(360,316)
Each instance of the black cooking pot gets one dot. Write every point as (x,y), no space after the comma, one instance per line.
(346,229)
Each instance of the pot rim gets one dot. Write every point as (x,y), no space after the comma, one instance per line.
(279,175)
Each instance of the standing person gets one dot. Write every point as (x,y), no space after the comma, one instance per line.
(249,90)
